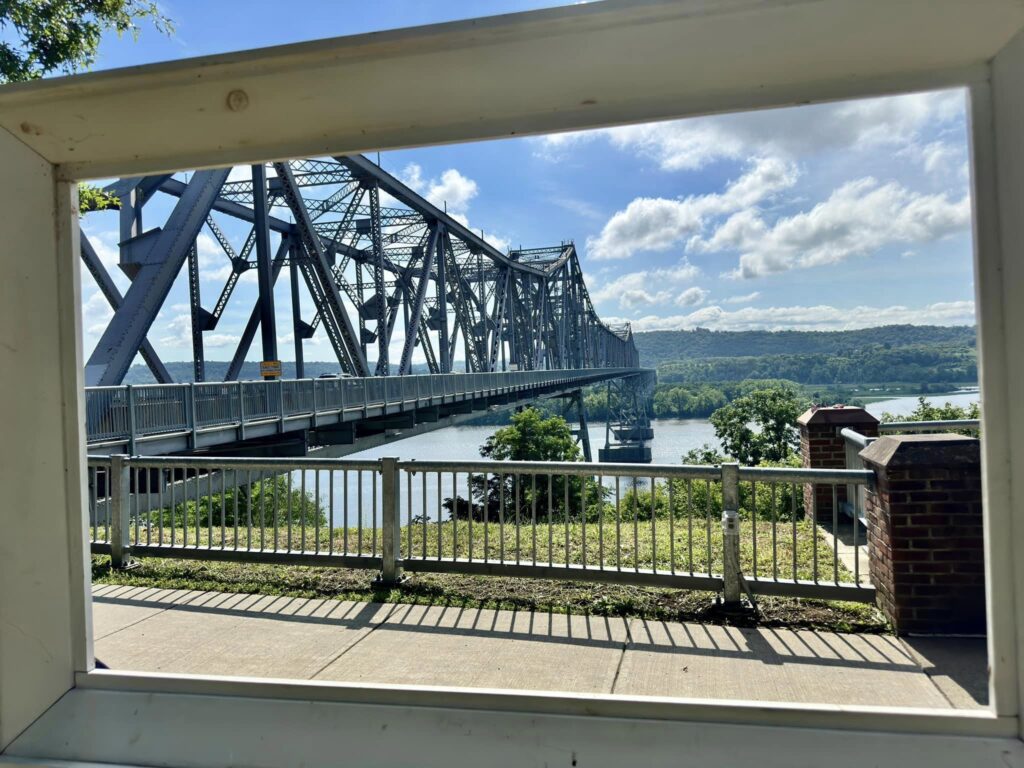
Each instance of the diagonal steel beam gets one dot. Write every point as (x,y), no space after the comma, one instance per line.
(416,312)
(320,281)
(114,298)
(159,261)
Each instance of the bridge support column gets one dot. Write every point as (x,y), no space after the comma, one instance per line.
(582,434)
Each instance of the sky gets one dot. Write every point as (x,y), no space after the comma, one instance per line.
(824,217)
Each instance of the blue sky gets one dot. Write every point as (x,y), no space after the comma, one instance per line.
(832,216)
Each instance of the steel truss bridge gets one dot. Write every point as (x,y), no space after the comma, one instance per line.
(383,267)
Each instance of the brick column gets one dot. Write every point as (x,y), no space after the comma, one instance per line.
(821,447)
(925,543)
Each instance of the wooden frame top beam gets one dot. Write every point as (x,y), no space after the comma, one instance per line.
(537,72)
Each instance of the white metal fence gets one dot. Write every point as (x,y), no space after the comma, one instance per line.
(721,528)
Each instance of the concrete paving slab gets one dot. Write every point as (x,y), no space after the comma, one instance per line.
(705,661)
(224,634)
(116,614)
(419,645)
(958,666)
(267,636)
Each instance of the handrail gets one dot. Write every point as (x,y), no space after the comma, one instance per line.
(676,526)
(137,412)
(926,426)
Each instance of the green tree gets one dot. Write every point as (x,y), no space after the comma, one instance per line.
(44,37)
(925,411)
(529,437)
(759,426)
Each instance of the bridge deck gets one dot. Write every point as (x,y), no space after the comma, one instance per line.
(165,419)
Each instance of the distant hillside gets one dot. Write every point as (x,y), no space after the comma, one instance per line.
(657,347)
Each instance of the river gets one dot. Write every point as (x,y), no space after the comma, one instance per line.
(672,438)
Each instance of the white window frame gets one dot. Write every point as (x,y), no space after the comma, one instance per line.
(565,68)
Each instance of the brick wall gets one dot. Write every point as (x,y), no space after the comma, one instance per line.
(821,447)
(925,541)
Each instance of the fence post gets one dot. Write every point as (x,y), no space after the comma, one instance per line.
(391,524)
(131,419)
(280,406)
(192,412)
(241,411)
(120,506)
(731,576)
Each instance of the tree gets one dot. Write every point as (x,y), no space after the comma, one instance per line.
(759,426)
(925,411)
(529,437)
(47,36)
(42,37)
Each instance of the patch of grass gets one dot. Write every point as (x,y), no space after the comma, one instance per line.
(689,544)
(639,546)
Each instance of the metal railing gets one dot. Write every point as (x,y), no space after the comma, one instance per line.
(130,413)
(720,528)
(918,427)
(855,442)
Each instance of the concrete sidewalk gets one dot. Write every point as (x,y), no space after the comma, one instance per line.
(254,635)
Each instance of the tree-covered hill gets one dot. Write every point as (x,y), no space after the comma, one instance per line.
(919,364)
(657,347)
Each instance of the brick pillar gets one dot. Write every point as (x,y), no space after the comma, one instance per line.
(821,447)
(925,543)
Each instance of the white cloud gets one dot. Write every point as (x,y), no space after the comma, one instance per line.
(938,157)
(742,299)
(452,189)
(818,318)
(578,207)
(657,224)
(649,286)
(796,131)
(412,176)
(859,217)
(209,251)
(692,297)
(96,313)
(240,173)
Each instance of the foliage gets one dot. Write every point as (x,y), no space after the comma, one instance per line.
(925,411)
(759,426)
(46,36)
(659,347)
(529,437)
(42,37)
(91,198)
(912,363)
(262,503)
(458,590)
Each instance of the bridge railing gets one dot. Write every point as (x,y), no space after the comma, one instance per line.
(719,528)
(129,412)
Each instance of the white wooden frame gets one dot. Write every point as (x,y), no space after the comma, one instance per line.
(565,68)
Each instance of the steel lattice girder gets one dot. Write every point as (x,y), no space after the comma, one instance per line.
(369,268)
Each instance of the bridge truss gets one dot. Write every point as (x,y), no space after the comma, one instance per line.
(381,264)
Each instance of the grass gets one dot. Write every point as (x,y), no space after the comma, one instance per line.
(628,546)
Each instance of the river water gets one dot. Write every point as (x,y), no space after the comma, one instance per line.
(672,438)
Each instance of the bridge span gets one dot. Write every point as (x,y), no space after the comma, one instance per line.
(391,280)
(325,417)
